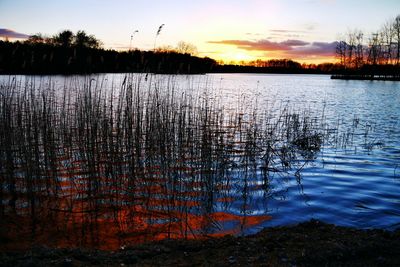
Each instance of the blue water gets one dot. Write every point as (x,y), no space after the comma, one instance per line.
(354,183)
(355,178)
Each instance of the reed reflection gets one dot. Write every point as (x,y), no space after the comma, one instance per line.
(99,167)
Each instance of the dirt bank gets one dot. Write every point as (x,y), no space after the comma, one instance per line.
(311,243)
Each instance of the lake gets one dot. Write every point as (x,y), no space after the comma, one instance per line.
(356,185)
(197,148)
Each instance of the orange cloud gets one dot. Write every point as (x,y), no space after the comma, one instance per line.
(291,48)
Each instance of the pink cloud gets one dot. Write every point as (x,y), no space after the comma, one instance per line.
(12,34)
(325,49)
(262,45)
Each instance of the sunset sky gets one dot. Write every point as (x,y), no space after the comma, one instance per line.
(230,30)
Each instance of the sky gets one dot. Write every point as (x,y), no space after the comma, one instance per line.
(228,30)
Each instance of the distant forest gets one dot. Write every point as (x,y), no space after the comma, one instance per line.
(80,53)
(68,53)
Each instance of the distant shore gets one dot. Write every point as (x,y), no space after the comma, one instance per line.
(312,243)
(365,77)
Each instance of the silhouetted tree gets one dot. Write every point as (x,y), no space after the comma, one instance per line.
(396,29)
(64,38)
(186,48)
(377,56)
(387,34)
(83,40)
(165,49)
(374,49)
(36,39)
(359,49)
(341,52)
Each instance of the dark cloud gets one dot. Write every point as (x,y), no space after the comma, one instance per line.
(262,45)
(291,48)
(324,49)
(12,34)
(294,43)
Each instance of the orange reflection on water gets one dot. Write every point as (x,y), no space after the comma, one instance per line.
(109,230)
(120,212)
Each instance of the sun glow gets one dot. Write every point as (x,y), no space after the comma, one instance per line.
(229,54)
(236,57)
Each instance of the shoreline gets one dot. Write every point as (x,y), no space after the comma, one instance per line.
(365,77)
(312,243)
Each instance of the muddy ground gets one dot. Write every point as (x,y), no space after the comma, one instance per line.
(311,243)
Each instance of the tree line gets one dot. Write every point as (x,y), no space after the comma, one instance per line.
(80,53)
(378,53)
(69,53)
(66,38)
(284,66)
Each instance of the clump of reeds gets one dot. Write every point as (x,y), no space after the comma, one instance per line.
(140,154)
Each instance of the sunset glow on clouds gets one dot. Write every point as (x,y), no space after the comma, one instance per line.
(229,30)
(294,49)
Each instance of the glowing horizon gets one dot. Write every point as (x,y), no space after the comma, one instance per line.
(301,30)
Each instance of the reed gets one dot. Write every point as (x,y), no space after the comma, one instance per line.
(144,155)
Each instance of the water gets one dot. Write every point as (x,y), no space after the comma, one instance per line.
(354,180)
(357,185)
